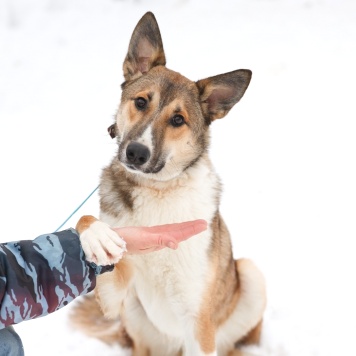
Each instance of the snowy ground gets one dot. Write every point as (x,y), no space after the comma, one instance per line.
(286,153)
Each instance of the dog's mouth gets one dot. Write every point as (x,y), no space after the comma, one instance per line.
(140,169)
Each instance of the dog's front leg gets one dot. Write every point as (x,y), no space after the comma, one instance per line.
(103,246)
(111,289)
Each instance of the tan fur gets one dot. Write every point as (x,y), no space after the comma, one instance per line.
(206,330)
(252,338)
(235,353)
(196,300)
(216,306)
(227,280)
(120,277)
(84,223)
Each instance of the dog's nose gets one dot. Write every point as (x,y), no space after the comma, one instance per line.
(137,153)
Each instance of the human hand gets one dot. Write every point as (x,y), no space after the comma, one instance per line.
(104,246)
(141,240)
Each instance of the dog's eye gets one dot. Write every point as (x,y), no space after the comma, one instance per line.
(177,120)
(140,103)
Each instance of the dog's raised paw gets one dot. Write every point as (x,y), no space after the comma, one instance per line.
(100,243)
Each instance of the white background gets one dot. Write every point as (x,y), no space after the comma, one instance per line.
(285,153)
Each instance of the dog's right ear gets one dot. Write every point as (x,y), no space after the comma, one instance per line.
(220,93)
(145,48)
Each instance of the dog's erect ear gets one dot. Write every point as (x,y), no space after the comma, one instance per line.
(145,48)
(220,93)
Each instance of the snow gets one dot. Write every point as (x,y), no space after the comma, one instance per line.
(286,153)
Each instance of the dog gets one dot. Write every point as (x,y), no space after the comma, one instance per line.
(196,300)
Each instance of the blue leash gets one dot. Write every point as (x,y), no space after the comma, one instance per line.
(78,207)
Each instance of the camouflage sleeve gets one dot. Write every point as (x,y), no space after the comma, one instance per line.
(40,276)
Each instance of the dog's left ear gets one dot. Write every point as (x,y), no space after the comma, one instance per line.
(220,93)
(145,48)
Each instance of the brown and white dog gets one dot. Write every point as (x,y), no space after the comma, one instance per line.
(196,300)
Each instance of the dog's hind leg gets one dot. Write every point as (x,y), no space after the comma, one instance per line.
(243,327)
(87,316)
(252,338)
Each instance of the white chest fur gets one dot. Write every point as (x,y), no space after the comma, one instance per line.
(169,284)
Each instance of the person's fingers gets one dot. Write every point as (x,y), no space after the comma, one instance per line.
(198,224)
(188,228)
(148,239)
(153,248)
(180,233)
(185,231)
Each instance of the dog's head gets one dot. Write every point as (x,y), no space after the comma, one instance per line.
(163,118)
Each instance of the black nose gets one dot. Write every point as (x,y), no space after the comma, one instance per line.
(137,154)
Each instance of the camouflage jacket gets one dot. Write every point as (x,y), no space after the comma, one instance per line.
(40,276)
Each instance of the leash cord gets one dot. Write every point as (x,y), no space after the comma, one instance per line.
(85,200)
